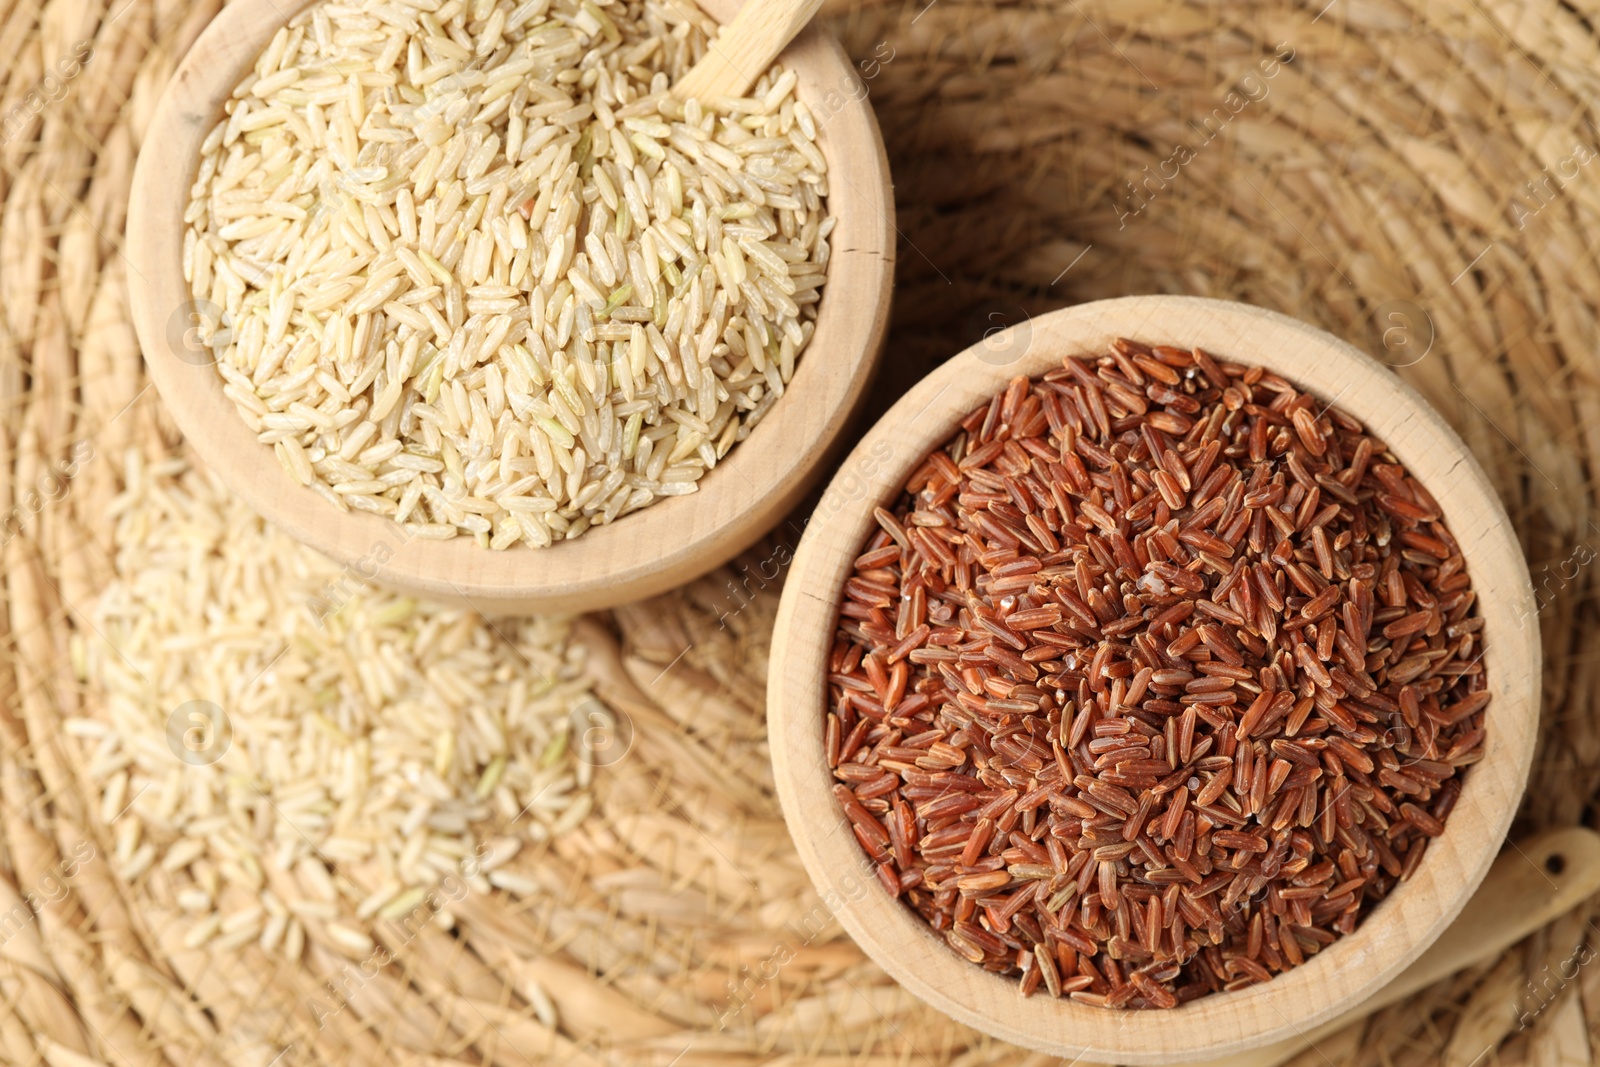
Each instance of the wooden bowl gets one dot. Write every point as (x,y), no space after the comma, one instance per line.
(1402,925)
(663,545)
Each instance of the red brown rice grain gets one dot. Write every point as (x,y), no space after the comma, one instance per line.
(1158,676)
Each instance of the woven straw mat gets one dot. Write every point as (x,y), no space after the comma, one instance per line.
(1418,178)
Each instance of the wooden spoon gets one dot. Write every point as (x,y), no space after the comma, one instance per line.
(745,48)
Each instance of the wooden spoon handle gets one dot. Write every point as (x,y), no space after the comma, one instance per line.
(1531,883)
(745,48)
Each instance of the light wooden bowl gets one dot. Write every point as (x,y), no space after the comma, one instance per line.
(1334,980)
(664,545)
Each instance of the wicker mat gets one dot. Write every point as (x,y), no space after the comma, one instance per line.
(1420,178)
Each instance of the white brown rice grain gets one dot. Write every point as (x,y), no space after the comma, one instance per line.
(442,247)
(377,744)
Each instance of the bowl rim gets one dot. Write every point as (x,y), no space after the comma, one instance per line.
(1340,976)
(673,540)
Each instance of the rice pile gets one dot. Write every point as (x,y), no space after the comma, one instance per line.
(365,755)
(470,267)
(1158,677)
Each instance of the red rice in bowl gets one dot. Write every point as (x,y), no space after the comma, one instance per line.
(1154,681)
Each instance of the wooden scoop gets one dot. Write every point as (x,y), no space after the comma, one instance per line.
(745,48)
